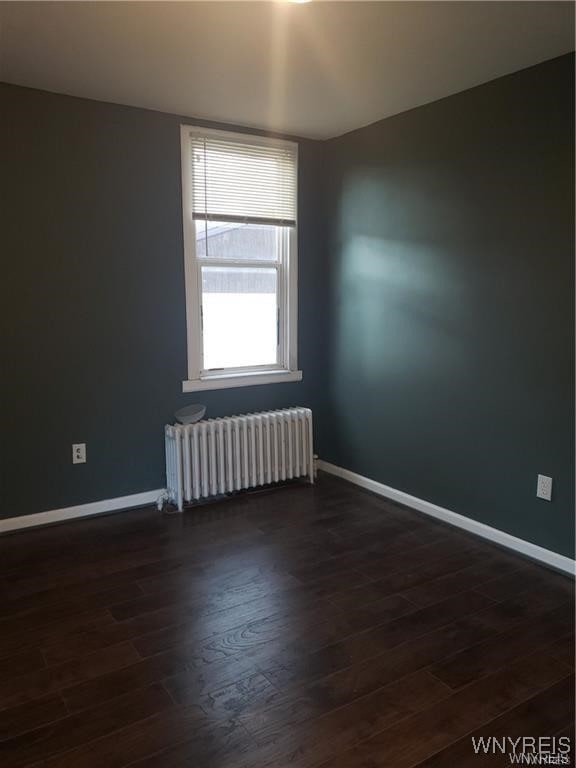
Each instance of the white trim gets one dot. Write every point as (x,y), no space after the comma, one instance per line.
(290,324)
(240,380)
(118,504)
(526,548)
(192,288)
(240,136)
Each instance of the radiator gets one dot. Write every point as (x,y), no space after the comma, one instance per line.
(219,456)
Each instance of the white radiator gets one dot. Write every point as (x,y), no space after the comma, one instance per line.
(219,456)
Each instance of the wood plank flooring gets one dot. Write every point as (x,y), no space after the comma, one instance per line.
(300,627)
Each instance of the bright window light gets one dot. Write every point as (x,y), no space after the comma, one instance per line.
(239,195)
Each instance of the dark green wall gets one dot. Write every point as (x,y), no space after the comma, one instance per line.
(452,262)
(93,303)
(436,300)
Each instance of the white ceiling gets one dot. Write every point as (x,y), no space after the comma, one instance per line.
(317,69)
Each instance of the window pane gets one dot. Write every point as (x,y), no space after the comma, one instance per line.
(223,240)
(239,311)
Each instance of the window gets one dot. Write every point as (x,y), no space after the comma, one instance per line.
(239,201)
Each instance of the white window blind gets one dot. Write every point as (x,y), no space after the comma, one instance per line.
(240,181)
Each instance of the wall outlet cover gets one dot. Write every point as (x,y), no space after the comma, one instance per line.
(544,488)
(79,453)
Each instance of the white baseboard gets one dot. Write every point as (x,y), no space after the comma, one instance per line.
(81,510)
(560,562)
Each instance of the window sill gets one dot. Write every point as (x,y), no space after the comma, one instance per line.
(230,381)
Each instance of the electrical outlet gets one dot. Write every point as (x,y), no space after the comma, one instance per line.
(544,488)
(79,453)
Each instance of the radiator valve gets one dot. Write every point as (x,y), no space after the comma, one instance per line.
(162,501)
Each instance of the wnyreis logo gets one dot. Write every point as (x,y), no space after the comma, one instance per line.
(526,750)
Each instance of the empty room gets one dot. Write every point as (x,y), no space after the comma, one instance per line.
(287,474)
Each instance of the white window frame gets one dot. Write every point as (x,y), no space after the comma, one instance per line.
(287,367)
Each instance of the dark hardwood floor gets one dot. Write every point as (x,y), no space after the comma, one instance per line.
(291,628)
